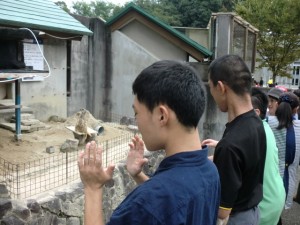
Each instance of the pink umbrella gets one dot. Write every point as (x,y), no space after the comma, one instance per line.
(283,88)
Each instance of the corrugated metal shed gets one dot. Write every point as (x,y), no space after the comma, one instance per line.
(42,15)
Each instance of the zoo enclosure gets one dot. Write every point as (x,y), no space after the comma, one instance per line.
(27,179)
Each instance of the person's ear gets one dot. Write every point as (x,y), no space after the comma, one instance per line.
(257,111)
(163,114)
(295,110)
(221,87)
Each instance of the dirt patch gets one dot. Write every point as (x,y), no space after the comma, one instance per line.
(33,145)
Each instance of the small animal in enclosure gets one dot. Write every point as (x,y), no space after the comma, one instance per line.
(81,126)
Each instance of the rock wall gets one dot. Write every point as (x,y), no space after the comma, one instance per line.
(64,206)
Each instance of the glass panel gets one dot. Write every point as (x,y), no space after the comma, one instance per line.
(238,42)
(250,50)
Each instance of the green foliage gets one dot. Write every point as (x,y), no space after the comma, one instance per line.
(63,5)
(227,6)
(164,10)
(196,13)
(185,13)
(278,39)
(94,9)
(83,9)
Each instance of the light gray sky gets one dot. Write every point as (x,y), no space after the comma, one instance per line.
(117,2)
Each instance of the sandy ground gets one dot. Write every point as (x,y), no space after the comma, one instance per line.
(40,171)
(33,145)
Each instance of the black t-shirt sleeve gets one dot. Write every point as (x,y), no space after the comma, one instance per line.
(229,166)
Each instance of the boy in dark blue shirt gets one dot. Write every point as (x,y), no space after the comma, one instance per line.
(185,189)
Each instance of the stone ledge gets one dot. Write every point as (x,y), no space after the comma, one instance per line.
(65,205)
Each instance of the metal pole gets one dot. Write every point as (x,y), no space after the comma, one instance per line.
(106,153)
(18,180)
(67,166)
(18,110)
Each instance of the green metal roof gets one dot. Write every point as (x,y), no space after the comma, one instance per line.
(43,15)
(183,37)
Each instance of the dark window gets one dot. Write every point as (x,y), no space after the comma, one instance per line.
(11,54)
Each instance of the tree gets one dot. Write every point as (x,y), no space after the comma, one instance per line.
(184,13)
(164,10)
(94,9)
(228,5)
(63,5)
(278,39)
(195,13)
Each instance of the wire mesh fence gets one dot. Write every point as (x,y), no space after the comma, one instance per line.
(116,119)
(31,178)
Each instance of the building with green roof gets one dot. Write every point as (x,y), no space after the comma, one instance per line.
(133,15)
(41,15)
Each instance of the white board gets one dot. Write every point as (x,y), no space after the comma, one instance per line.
(33,57)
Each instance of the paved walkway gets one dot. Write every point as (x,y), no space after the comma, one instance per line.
(291,216)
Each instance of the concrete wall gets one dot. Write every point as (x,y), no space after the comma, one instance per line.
(125,69)
(153,42)
(90,70)
(128,60)
(2,90)
(200,35)
(48,97)
(214,123)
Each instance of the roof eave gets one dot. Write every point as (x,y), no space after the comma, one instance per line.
(17,24)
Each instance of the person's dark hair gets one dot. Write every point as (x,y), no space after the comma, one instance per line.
(259,101)
(256,104)
(233,71)
(297,92)
(284,113)
(175,84)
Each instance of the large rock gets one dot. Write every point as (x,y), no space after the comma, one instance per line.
(5,206)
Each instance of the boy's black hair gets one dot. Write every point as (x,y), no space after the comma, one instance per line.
(175,84)
(259,101)
(233,71)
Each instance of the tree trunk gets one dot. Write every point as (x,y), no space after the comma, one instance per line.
(274,79)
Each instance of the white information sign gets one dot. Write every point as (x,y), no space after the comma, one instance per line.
(33,57)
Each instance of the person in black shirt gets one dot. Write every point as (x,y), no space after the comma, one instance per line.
(261,82)
(240,154)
